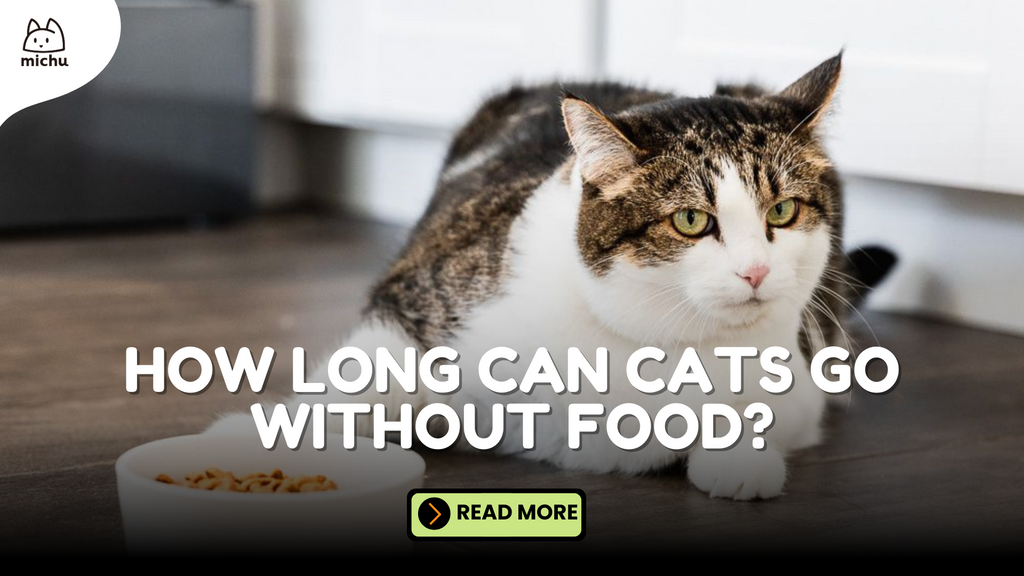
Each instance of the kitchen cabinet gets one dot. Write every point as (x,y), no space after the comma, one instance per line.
(407,62)
(930,92)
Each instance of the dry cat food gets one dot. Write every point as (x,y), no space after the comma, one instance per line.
(276,481)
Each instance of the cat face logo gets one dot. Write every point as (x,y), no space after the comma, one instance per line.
(44,40)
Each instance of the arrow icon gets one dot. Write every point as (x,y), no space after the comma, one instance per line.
(434,513)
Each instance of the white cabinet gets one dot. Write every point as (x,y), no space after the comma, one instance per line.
(423,63)
(931,91)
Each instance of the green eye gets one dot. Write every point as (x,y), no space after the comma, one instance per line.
(782,213)
(692,222)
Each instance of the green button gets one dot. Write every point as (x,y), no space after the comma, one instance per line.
(505,514)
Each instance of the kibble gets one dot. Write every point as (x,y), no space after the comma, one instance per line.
(275,482)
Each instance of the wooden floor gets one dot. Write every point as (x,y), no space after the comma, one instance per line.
(934,467)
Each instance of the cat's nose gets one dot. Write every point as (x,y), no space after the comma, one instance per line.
(754,275)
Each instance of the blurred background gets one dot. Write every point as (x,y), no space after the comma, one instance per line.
(219,111)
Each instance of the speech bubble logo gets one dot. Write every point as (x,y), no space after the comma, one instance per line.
(40,62)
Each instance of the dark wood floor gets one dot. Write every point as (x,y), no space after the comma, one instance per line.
(936,466)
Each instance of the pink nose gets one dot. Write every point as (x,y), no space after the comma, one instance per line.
(754,275)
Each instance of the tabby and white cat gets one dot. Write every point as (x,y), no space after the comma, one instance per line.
(669,222)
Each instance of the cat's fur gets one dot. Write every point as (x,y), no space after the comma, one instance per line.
(531,242)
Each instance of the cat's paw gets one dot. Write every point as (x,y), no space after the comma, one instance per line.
(234,424)
(740,474)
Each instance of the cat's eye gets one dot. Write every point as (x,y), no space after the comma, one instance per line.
(783,213)
(691,222)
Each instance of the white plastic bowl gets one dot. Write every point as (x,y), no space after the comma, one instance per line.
(366,513)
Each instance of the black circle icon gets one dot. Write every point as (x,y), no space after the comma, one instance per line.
(434,513)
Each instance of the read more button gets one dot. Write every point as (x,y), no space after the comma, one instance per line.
(506,514)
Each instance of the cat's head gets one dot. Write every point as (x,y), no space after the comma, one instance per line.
(703,217)
(44,40)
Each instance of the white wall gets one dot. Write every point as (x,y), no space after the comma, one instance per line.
(960,250)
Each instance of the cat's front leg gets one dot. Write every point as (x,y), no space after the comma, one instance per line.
(740,473)
(744,473)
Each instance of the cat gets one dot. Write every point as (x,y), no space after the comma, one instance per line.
(44,40)
(603,215)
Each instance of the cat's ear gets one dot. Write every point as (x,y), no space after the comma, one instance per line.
(812,94)
(52,26)
(604,153)
(33,25)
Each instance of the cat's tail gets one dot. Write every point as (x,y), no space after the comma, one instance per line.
(868,267)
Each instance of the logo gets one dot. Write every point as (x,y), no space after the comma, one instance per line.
(46,40)
(40,38)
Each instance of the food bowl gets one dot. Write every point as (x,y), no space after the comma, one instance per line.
(366,512)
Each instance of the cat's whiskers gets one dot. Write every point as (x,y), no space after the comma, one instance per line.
(663,291)
(841,277)
(671,322)
(821,332)
(815,300)
(820,305)
(682,331)
(857,286)
(654,333)
(842,300)
(665,322)
(668,291)
(705,313)
(823,343)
